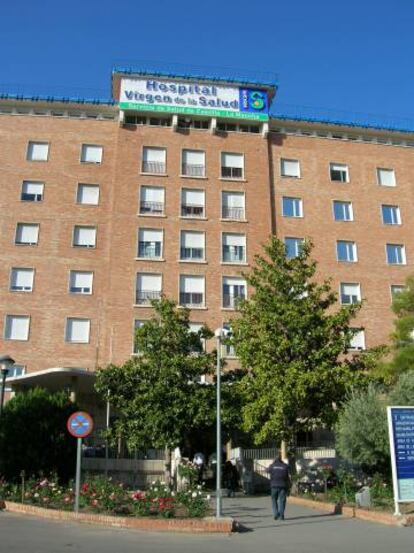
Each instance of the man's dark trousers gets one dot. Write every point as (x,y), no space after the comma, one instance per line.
(278,501)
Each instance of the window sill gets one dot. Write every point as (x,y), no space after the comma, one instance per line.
(232,180)
(397,264)
(201,308)
(290,177)
(228,309)
(21,291)
(154,174)
(27,244)
(345,261)
(192,177)
(193,218)
(150,259)
(202,261)
(240,263)
(141,305)
(90,162)
(228,220)
(163,216)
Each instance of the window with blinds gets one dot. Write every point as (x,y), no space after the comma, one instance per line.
(151,200)
(88,194)
(234,290)
(290,168)
(27,234)
(386,177)
(193,163)
(154,160)
(84,237)
(77,330)
(233,205)
(80,282)
(148,288)
(38,151)
(32,191)
(350,293)
(358,341)
(192,246)
(17,327)
(21,280)
(91,153)
(150,243)
(232,165)
(233,248)
(192,203)
(192,290)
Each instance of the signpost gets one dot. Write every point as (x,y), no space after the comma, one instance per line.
(79,425)
(401,433)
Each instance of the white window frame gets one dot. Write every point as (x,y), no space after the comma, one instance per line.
(201,168)
(146,301)
(294,200)
(7,327)
(68,319)
(403,254)
(26,289)
(397,214)
(164,149)
(191,259)
(184,205)
(141,201)
(84,247)
(90,185)
(401,287)
(298,242)
(155,258)
(360,334)
(391,171)
(343,167)
(240,193)
(244,245)
(351,211)
(81,293)
(232,300)
(27,243)
(222,166)
(354,252)
(36,200)
(12,369)
(83,152)
(202,279)
(357,295)
(283,165)
(32,143)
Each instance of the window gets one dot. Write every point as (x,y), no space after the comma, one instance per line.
(193,163)
(346,251)
(395,254)
(148,288)
(187,123)
(150,243)
(14,372)
(27,234)
(396,289)
(290,168)
(192,291)
(350,293)
(343,211)
(137,324)
(84,237)
(234,290)
(292,207)
(21,280)
(77,330)
(38,151)
(17,327)
(88,194)
(192,245)
(160,121)
(91,153)
(386,177)
(151,200)
(153,160)
(232,166)
(232,205)
(32,191)
(228,348)
(391,215)
(358,341)
(234,248)
(80,282)
(339,172)
(195,328)
(192,203)
(293,247)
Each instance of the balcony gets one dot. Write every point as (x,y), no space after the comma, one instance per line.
(188,210)
(145,297)
(234,254)
(150,250)
(151,208)
(193,170)
(191,299)
(154,167)
(231,172)
(235,213)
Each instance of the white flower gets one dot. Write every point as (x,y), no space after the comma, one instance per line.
(199,487)
(153,483)
(155,489)
(36,495)
(172,494)
(194,494)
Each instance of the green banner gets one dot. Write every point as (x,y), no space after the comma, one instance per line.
(195,111)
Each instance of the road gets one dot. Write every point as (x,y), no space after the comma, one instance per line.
(304,531)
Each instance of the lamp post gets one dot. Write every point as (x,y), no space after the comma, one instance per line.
(5,362)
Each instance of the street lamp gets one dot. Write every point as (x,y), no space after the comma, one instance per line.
(5,362)
(220,333)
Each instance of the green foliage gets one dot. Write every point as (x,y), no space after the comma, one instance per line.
(158,394)
(403,391)
(362,431)
(33,435)
(293,342)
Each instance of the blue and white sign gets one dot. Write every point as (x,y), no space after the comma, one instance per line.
(401,433)
(215,100)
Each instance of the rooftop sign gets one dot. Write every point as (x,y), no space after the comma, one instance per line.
(214,100)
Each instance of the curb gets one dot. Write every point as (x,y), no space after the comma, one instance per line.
(354,512)
(186,525)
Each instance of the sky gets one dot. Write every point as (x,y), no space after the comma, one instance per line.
(352,57)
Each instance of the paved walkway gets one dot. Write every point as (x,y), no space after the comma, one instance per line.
(304,531)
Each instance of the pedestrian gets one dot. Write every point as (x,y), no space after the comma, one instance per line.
(199,460)
(279,487)
(231,478)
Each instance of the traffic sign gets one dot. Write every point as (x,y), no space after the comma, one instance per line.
(80,424)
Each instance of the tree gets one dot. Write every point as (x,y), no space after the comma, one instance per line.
(158,394)
(33,435)
(292,341)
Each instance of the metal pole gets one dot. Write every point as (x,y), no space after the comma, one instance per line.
(108,413)
(4,374)
(218,431)
(78,474)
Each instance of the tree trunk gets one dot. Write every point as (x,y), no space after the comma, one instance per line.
(283,451)
(167,469)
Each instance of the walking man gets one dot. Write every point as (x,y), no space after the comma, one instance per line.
(279,487)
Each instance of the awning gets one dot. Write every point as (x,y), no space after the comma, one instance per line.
(76,380)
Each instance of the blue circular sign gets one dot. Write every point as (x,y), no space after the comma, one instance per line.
(80,424)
